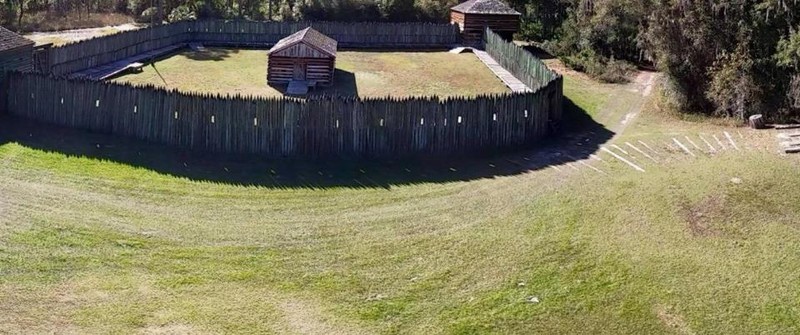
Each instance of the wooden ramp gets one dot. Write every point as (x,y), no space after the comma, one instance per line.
(297,88)
(512,82)
(459,50)
(109,70)
(197,46)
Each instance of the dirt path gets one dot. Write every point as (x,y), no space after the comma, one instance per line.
(68,36)
(626,102)
(623,108)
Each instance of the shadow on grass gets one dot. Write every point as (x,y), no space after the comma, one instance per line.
(344,84)
(581,137)
(208,54)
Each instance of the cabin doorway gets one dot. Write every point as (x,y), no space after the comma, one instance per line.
(299,72)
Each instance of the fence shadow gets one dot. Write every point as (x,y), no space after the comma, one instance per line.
(582,137)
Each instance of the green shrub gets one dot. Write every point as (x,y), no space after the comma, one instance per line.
(147,15)
(605,69)
(181,13)
(136,7)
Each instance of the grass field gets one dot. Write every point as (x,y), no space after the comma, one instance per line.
(366,74)
(99,235)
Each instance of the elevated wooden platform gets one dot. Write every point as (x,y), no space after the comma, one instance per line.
(109,70)
(512,82)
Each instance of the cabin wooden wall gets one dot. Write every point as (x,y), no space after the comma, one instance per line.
(280,70)
(472,25)
(18,59)
(457,18)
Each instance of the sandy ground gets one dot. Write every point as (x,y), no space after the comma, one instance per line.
(67,36)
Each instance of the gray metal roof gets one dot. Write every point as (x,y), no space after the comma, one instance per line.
(310,37)
(11,40)
(485,7)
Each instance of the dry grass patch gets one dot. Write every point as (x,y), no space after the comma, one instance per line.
(365,74)
(48,21)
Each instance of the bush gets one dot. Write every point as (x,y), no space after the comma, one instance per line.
(604,69)
(136,7)
(181,13)
(147,15)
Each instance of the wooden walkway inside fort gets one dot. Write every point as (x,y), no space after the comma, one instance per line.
(512,82)
(109,70)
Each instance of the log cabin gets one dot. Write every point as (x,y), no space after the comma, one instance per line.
(473,16)
(306,55)
(16,53)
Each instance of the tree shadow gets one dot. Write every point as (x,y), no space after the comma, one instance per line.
(581,137)
(208,54)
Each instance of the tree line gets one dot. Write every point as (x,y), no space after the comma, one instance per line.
(722,57)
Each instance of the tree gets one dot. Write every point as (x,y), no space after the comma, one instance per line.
(20,5)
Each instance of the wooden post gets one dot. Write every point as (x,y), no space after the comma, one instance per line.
(757,121)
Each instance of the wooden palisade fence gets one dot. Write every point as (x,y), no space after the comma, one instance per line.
(83,55)
(520,62)
(315,127)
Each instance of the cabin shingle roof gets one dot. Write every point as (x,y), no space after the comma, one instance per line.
(485,7)
(11,40)
(311,37)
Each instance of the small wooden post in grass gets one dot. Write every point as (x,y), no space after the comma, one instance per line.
(757,121)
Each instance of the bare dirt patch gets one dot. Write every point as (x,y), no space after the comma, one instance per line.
(672,320)
(559,67)
(304,318)
(700,217)
(170,329)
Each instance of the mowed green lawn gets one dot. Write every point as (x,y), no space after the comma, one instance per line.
(93,245)
(366,74)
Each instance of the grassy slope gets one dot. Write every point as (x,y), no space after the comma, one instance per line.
(362,73)
(97,246)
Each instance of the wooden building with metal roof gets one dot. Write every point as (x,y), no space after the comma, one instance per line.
(16,52)
(473,16)
(305,56)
